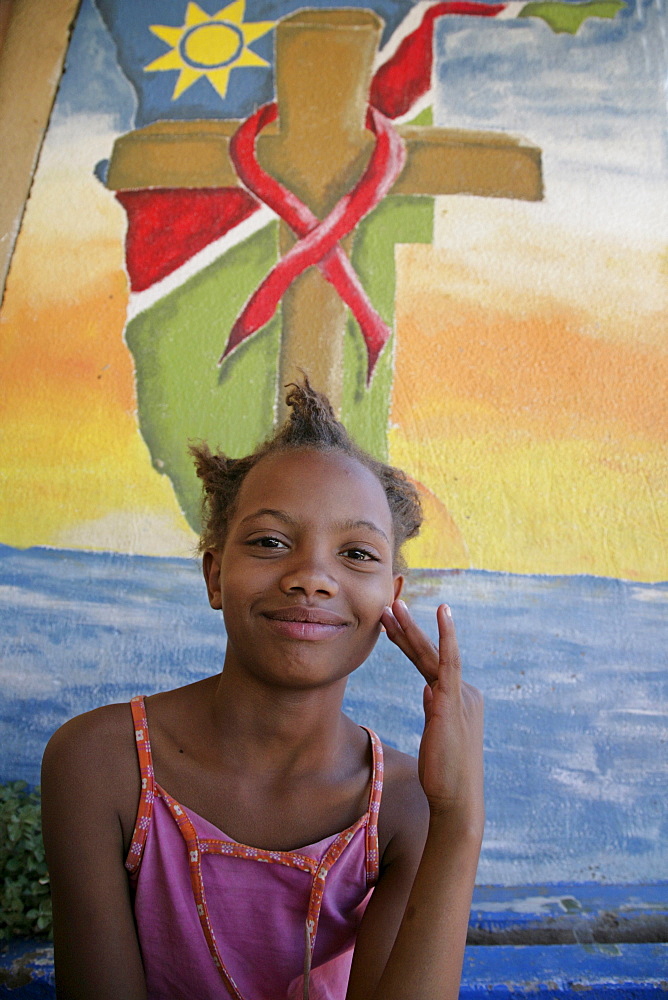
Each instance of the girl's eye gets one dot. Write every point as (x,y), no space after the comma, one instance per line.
(359,555)
(267,542)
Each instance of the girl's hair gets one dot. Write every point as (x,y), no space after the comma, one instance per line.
(310,425)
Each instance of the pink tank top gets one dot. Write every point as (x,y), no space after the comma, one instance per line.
(216,918)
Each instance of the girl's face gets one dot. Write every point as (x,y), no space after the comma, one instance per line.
(306,568)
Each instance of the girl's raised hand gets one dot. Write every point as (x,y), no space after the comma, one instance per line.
(450,758)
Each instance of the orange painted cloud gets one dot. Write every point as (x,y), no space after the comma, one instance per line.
(546,444)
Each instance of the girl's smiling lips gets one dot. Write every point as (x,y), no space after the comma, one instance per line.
(300,622)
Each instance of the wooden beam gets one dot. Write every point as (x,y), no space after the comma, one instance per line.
(36,36)
(440,161)
(489,164)
(174,154)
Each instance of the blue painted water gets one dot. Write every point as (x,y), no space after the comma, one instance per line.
(572,669)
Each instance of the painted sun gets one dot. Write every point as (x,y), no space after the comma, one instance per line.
(209,46)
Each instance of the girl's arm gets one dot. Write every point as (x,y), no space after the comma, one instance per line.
(86,773)
(411,941)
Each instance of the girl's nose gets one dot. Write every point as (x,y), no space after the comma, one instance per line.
(309,575)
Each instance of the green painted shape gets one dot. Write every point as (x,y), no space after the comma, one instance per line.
(568,17)
(426,117)
(401,219)
(182,394)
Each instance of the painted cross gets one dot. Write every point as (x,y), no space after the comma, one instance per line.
(319,151)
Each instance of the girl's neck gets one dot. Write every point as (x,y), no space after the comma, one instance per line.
(279,729)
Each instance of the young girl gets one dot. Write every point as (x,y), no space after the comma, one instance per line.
(241,836)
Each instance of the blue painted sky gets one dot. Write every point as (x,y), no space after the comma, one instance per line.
(95,82)
(609,80)
(597,98)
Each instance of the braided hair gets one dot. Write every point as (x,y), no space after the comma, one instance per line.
(311,425)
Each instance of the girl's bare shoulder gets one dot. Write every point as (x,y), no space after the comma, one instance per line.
(404,812)
(91,778)
(99,739)
(99,749)
(104,737)
(93,758)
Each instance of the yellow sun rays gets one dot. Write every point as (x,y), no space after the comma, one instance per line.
(209,46)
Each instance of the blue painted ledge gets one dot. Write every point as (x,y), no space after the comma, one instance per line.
(563,914)
(532,943)
(509,972)
(562,971)
(26,970)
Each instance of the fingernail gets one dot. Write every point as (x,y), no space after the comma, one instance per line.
(403,605)
(447,610)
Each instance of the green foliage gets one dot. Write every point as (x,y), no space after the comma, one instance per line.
(25,903)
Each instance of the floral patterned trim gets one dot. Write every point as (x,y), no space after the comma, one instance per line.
(291,859)
(372,851)
(147,796)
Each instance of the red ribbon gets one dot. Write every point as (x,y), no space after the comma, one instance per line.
(318,241)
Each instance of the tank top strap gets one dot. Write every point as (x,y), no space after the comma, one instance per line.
(375,794)
(147,796)
(370,822)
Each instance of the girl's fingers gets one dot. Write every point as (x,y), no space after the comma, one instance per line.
(427,698)
(411,640)
(418,647)
(395,632)
(448,647)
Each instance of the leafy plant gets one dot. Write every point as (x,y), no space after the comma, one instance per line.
(25,903)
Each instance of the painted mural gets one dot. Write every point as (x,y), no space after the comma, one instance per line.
(475,270)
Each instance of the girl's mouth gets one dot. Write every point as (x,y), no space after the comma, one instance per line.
(300,622)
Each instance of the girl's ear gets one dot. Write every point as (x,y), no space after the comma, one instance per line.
(398,586)
(211,571)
